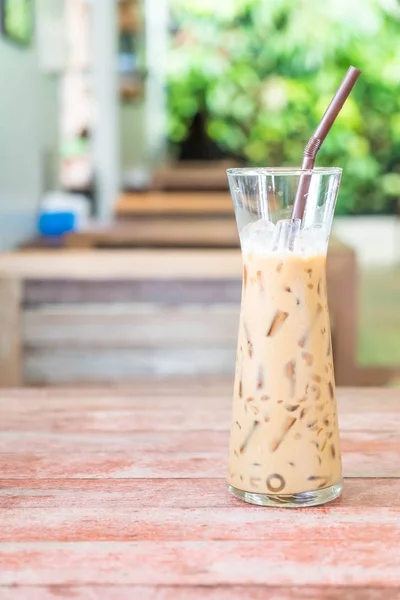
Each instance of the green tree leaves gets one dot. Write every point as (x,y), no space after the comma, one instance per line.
(264,72)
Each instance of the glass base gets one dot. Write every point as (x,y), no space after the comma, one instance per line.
(290,500)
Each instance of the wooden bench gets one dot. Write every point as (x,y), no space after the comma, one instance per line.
(158,232)
(112,316)
(193,175)
(173,204)
(222,233)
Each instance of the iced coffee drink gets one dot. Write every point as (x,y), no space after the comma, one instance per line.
(284,442)
(284,433)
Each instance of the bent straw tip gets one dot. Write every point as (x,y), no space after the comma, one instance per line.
(354,70)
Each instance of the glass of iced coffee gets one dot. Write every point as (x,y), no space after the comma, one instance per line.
(284,443)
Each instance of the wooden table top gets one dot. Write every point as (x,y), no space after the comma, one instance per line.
(120,494)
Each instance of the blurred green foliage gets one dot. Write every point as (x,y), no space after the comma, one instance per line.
(264,72)
(18,20)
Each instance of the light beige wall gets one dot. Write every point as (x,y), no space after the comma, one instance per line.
(28,134)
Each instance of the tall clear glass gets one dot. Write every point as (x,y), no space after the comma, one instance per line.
(284,443)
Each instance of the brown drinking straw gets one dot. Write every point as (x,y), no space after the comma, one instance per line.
(318,137)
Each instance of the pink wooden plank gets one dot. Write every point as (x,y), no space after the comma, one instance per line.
(111,465)
(83,411)
(272,562)
(163,391)
(110,402)
(122,395)
(53,401)
(166,441)
(186,494)
(199,417)
(151,418)
(145,441)
(361,458)
(236,521)
(220,592)
(377,413)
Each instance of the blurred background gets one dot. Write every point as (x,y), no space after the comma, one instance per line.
(119,252)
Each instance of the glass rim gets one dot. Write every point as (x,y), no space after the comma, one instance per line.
(296,171)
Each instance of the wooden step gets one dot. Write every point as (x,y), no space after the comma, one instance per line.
(158,233)
(205,204)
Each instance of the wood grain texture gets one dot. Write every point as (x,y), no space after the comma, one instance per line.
(131,325)
(123,264)
(58,366)
(206,179)
(92,343)
(358,460)
(132,264)
(206,387)
(76,409)
(267,561)
(57,343)
(175,292)
(187,203)
(209,592)
(121,494)
(68,513)
(168,393)
(156,233)
(184,494)
(10,334)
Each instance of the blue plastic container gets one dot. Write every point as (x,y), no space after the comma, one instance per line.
(56,223)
